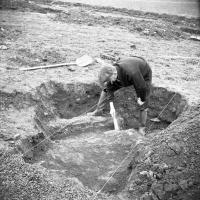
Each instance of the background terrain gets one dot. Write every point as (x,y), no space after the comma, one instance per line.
(76,163)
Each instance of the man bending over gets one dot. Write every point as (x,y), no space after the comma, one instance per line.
(126,72)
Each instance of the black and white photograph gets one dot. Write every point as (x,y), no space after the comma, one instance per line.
(99,100)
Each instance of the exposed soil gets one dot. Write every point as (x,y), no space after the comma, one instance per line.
(49,146)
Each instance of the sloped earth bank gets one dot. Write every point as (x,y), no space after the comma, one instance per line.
(50,148)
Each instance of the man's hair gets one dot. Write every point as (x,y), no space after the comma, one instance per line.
(105,73)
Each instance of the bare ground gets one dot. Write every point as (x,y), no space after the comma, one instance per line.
(164,166)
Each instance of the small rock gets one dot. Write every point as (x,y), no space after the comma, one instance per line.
(28,155)
(159,176)
(144,173)
(190,183)
(158,190)
(46,114)
(195,38)
(180,168)
(3,47)
(185,139)
(160,167)
(146,196)
(155,119)
(197,152)
(70,68)
(183,184)
(11,68)
(44,59)
(176,147)
(133,46)
(142,189)
(170,187)
(117,22)
(101,41)
(146,31)
(149,174)
(156,166)
(147,161)
(138,182)
(16,137)
(131,187)
(7,138)
(164,166)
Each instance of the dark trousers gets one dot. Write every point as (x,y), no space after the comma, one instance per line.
(106,97)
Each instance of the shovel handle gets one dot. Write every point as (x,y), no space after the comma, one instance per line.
(116,125)
(47,66)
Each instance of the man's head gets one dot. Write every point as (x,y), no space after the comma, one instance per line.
(108,73)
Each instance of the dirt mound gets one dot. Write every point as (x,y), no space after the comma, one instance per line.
(19,180)
(171,170)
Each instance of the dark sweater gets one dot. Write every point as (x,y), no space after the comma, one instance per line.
(132,71)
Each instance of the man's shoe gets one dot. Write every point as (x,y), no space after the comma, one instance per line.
(142,131)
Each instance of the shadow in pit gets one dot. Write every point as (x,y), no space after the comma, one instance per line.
(73,100)
(164,104)
(61,109)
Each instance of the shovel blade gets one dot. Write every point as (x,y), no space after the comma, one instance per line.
(155,119)
(84,61)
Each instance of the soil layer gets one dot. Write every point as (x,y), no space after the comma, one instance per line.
(50,148)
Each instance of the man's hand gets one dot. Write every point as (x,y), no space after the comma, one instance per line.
(140,102)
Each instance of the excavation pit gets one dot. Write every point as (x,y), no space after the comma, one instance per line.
(87,147)
(73,100)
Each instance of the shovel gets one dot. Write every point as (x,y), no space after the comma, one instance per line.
(81,62)
(116,125)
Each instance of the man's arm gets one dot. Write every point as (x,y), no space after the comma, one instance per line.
(105,97)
